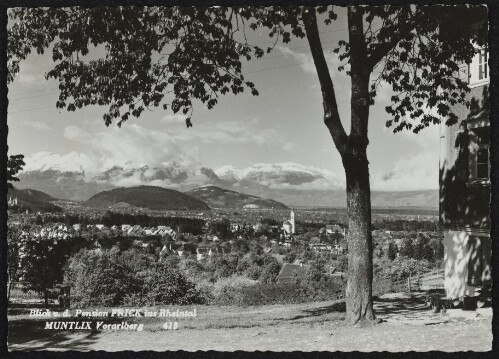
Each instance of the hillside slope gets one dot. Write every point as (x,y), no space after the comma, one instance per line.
(150,197)
(33,200)
(217,197)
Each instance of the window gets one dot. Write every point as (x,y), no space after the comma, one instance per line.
(479,155)
(479,68)
(482,65)
(482,163)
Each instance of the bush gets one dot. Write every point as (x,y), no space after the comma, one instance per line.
(98,278)
(290,257)
(128,278)
(227,291)
(223,266)
(284,293)
(270,270)
(316,272)
(166,285)
(254,272)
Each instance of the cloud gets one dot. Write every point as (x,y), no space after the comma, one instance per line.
(414,172)
(419,172)
(305,60)
(226,132)
(75,133)
(37,125)
(174,119)
(289,147)
(288,176)
(129,146)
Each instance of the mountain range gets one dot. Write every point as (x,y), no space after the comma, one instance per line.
(290,184)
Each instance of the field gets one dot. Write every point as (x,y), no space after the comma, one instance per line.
(407,324)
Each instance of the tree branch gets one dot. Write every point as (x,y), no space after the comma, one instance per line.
(398,34)
(331,115)
(382,50)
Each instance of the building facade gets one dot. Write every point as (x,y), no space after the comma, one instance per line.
(288,226)
(465,188)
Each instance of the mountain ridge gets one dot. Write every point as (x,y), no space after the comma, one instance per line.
(217,197)
(33,199)
(150,197)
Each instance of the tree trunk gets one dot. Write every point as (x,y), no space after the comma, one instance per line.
(9,288)
(353,151)
(46,297)
(359,304)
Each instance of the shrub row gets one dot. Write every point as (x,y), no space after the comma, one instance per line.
(280,293)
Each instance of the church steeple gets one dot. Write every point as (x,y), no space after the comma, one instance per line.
(292,220)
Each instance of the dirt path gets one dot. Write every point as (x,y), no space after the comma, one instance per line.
(407,325)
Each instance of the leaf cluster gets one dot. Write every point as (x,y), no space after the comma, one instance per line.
(15,164)
(152,56)
(171,56)
(418,50)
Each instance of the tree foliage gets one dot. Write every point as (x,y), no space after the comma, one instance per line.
(170,56)
(41,261)
(15,164)
(14,233)
(392,250)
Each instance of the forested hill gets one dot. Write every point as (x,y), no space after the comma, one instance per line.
(155,198)
(33,200)
(217,197)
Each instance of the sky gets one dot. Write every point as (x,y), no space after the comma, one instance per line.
(283,124)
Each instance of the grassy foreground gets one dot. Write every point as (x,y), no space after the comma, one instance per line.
(407,325)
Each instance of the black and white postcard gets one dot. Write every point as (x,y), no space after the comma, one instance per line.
(271,178)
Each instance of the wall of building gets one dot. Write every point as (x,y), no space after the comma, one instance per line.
(460,259)
(461,204)
(464,209)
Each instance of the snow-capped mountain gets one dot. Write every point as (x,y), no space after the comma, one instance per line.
(44,161)
(228,173)
(283,173)
(74,177)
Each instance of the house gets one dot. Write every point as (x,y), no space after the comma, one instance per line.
(278,257)
(100,226)
(136,230)
(12,201)
(318,247)
(288,226)
(166,231)
(203,251)
(334,229)
(464,178)
(340,247)
(290,273)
